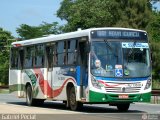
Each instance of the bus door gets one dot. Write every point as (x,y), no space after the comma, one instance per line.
(83,67)
(15,72)
(21,64)
(49,53)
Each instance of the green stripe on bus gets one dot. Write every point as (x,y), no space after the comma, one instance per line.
(109,98)
(16,87)
(35,92)
(32,77)
(21,87)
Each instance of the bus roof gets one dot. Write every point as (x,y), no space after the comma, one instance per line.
(79,33)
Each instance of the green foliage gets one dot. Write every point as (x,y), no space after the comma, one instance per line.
(105,13)
(155,27)
(156,84)
(4,67)
(28,32)
(86,13)
(154,33)
(134,13)
(4,55)
(155,47)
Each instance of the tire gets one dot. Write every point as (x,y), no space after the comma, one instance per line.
(74,105)
(30,100)
(123,107)
(65,103)
(29,96)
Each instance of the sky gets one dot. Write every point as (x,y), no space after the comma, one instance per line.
(157,5)
(13,13)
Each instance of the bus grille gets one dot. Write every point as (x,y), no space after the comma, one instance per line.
(122,88)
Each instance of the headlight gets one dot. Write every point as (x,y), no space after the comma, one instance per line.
(96,84)
(148,84)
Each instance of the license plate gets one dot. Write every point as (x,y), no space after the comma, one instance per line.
(123,96)
(134,85)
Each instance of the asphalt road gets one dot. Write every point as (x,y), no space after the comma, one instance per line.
(10,104)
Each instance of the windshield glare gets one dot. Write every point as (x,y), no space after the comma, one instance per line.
(109,58)
(136,62)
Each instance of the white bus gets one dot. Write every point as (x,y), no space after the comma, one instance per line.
(99,65)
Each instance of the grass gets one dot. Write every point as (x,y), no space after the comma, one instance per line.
(4,91)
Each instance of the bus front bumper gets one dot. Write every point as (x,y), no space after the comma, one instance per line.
(114,98)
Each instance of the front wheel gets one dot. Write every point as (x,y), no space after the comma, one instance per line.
(74,105)
(123,107)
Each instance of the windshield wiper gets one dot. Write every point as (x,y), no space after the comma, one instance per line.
(111,49)
(131,51)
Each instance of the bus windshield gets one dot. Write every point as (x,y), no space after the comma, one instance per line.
(107,57)
(136,60)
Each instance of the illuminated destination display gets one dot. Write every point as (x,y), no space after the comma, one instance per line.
(119,34)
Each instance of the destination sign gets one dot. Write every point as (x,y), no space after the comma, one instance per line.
(119,34)
(134,45)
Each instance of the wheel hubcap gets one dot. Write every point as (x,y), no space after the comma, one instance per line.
(72,99)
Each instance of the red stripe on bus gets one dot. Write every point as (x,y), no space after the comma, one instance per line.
(43,83)
(108,84)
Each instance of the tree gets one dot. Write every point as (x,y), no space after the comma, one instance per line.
(154,27)
(134,13)
(50,28)
(105,13)
(4,55)
(154,34)
(28,32)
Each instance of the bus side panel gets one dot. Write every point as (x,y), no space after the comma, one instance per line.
(61,77)
(16,85)
(35,77)
(49,88)
(47,83)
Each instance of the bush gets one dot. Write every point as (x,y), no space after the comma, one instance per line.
(155,84)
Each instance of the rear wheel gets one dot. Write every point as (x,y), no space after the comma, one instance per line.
(74,105)
(123,107)
(29,96)
(30,100)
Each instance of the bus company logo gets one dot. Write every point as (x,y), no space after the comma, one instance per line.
(62,71)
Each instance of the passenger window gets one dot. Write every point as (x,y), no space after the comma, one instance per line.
(50,55)
(21,53)
(72,51)
(14,58)
(61,53)
(29,57)
(39,58)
